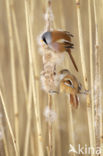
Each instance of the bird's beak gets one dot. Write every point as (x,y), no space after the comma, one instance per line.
(43,44)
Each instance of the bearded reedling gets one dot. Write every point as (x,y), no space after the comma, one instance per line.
(70,85)
(59,41)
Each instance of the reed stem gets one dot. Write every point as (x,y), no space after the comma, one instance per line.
(70,115)
(3,137)
(35,86)
(9,125)
(49,26)
(82,53)
(50,146)
(13,72)
(70,124)
(19,49)
(98,105)
(91,65)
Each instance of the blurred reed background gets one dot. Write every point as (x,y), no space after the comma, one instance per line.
(24,130)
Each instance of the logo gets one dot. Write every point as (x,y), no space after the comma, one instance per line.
(84,150)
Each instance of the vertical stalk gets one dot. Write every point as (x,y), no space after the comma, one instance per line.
(97,83)
(70,114)
(13,73)
(35,86)
(91,64)
(82,53)
(53,129)
(29,109)
(4,137)
(29,114)
(9,125)
(36,97)
(50,128)
(57,132)
(70,124)
(49,25)
(1,119)
(33,152)
(19,49)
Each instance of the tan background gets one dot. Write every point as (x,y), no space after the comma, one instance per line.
(65,17)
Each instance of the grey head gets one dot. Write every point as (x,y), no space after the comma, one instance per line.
(47,38)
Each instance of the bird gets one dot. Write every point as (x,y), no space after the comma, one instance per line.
(59,41)
(70,85)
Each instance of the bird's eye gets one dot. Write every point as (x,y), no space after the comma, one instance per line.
(44,39)
(69,82)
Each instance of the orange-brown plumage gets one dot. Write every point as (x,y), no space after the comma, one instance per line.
(57,35)
(60,41)
(70,85)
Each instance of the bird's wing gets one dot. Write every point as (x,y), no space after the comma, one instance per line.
(57,35)
(61,47)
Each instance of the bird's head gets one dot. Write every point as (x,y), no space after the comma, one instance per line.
(63,73)
(47,37)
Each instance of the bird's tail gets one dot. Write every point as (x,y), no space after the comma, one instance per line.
(71,57)
(74,100)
